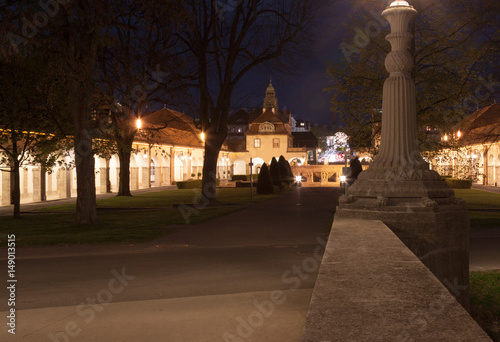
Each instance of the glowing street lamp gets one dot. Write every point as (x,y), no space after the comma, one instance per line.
(459,134)
(138,123)
(202,136)
(298,180)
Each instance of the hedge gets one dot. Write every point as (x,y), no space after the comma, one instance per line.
(458,183)
(244,177)
(243,184)
(192,184)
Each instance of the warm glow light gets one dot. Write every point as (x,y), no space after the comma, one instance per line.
(445,138)
(138,123)
(459,134)
(298,178)
(342,178)
(400,3)
(202,135)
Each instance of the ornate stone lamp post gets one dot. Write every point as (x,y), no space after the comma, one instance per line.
(399,172)
(399,188)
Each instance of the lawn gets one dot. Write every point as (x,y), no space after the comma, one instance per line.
(168,198)
(481,200)
(477,199)
(484,286)
(122,219)
(485,301)
(127,226)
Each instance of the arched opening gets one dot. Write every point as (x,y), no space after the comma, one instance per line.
(239,167)
(179,168)
(152,171)
(297,161)
(257,164)
(114,170)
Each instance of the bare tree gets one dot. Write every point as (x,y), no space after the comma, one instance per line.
(77,36)
(225,40)
(454,65)
(33,102)
(137,67)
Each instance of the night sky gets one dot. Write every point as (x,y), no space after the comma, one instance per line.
(302,90)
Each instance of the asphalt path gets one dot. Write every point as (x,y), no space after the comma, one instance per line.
(246,276)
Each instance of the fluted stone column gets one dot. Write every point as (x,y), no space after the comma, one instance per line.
(399,170)
(399,188)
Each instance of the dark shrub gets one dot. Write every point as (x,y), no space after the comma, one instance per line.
(265,185)
(356,168)
(239,178)
(285,170)
(458,183)
(274,168)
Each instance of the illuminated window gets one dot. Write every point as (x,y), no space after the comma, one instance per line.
(276,142)
(256,143)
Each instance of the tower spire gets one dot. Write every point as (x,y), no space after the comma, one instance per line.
(270,100)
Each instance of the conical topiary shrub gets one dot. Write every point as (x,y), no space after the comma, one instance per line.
(265,185)
(285,170)
(274,168)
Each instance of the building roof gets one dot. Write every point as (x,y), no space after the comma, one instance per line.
(482,126)
(269,116)
(239,118)
(169,127)
(304,139)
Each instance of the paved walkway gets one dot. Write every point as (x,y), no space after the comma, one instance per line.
(487,188)
(208,282)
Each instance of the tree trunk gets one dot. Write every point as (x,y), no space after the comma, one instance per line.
(213,143)
(108,181)
(82,48)
(14,181)
(86,208)
(43,188)
(16,190)
(124,184)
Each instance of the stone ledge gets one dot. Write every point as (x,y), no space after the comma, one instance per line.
(371,287)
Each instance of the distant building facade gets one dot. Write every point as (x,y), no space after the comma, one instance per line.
(269,135)
(474,151)
(173,152)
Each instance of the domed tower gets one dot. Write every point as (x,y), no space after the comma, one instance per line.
(271,101)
